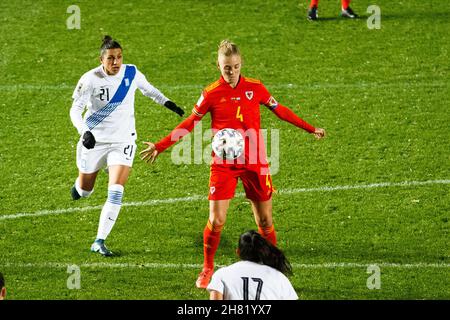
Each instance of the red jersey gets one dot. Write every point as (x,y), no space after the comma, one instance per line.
(237,108)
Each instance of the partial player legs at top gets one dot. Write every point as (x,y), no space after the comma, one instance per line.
(346,11)
(315,4)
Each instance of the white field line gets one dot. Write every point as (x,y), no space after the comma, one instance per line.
(365,186)
(331,265)
(203,198)
(313,86)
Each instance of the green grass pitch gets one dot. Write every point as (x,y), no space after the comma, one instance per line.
(381,94)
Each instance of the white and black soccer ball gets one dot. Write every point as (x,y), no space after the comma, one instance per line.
(228,144)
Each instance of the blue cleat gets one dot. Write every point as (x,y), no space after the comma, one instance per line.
(99,246)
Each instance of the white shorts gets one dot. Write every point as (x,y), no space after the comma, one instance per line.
(104,154)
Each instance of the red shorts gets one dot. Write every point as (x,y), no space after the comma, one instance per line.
(257,182)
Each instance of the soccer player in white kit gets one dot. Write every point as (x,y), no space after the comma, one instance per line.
(260,275)
(107,130)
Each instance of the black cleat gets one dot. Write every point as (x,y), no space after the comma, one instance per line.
(348,13)
(74,193)
(313,14)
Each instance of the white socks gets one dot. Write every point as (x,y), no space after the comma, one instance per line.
(80,191)
(110,211)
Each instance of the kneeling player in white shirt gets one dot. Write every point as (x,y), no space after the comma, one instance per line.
(260,275)
(107,130)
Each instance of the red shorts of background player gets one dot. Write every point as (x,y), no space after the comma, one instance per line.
(223,180)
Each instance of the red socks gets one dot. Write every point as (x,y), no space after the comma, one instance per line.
(345,4)
(211,240)
(268,233)
(314,3)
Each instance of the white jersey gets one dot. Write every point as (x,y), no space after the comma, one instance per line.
(110,103)
(246,280)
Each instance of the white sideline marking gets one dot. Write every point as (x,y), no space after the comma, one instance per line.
(366,186)
(202,198)
(312,86)
(331,265)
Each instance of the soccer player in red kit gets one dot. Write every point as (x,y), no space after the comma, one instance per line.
(233,102)
(346,11)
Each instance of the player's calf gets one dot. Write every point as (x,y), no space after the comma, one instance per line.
(77,193)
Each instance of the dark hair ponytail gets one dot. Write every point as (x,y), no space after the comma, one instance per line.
(108,43)
(253,247)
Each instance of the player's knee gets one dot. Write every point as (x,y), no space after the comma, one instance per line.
(217,215)
(217,220)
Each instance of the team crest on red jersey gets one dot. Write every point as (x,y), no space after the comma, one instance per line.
(272,103)
(249,95)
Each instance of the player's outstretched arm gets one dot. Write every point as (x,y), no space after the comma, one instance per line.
(150,153)
(179,132)
(286,114)
(153,93)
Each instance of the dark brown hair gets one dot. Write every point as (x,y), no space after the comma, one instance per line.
(253,247)
(108,43)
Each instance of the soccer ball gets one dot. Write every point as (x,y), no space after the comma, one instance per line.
(228,144)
